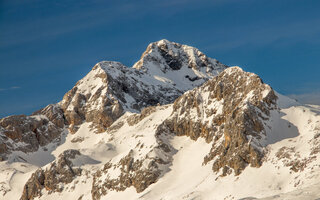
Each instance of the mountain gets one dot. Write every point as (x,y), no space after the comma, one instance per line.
(176,125)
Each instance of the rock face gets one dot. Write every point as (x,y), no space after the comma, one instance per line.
(229,110)
(165,71)
(132,173)
(172,57)
(50,178)
(27,133)
(140,167)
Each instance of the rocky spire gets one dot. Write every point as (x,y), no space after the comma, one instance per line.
(173,56)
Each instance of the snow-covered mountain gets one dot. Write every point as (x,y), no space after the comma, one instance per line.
(165,71)
(177,125)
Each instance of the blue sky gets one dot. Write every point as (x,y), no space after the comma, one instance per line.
(47,46)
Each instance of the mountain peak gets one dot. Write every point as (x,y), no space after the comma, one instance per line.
(165,71)
(163,41)
(169,56)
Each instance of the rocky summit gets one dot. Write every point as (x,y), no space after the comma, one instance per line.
(175,125)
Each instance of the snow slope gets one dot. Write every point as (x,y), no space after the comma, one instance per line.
(186,177)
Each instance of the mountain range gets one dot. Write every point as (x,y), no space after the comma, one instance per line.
(175,125)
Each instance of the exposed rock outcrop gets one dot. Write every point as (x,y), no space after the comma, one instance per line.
(229,110)
(27,133)
(170,57)
(132,171)
(53,176)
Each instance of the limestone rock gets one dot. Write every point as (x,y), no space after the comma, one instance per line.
(130,171)
(39,129)
(229,110)
(51,177)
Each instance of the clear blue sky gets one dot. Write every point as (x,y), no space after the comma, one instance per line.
(47,46)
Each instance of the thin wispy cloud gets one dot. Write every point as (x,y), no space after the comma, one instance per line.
(52,26)
(85,17)
(10,88)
